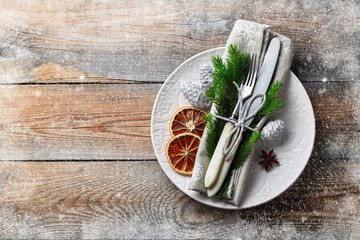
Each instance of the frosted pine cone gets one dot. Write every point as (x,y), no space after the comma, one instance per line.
(195,95)
(203,102)
(206,77)
(191,91)
(273,130)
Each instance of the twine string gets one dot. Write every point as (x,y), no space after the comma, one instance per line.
(239,124)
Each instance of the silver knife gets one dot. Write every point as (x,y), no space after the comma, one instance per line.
(262,83)
(265,74)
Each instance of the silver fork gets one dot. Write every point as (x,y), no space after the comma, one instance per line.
(212,179)
(249,83)
(247,86)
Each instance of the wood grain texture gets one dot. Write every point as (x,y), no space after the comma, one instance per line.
(112,121)
(121,51)
(136,200)
(78,122)
(146,41)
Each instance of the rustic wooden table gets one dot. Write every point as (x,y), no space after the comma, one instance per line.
(78,81)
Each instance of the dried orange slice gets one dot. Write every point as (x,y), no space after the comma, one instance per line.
(181,152)
(188,119)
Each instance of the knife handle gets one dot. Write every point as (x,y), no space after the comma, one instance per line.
(225,168)
(212,190)
(218,157)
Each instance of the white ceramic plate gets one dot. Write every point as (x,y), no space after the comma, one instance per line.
(293,152)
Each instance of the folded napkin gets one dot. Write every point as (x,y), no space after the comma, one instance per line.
(251,37)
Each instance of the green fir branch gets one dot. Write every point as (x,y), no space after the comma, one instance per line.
(245,149)
(236,64)
(272,103)
(225,188)
(223,93)
(218,90)
(211,137)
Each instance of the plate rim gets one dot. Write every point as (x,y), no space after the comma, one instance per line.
(228,206)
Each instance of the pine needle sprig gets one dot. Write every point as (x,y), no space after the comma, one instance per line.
(272,103)
(211,137)
(223,93)
(225,188)
(236,64)
(216,93)
(245,149)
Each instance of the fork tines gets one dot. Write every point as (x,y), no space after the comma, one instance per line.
(254,62)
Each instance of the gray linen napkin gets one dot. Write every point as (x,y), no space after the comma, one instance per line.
(251,37)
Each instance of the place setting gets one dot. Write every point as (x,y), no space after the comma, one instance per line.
(233,127)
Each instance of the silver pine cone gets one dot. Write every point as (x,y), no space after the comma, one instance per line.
(206,77)
(195,95)
(273,130)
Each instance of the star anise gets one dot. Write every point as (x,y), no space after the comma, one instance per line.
(269,159)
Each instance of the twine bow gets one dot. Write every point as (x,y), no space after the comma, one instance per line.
(239,124)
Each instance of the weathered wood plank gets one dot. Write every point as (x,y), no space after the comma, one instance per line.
(130,41)
(100,200)
(84,122)
(336,108)
(76,121)
(146,41)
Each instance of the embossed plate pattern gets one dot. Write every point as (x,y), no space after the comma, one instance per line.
(293,152)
